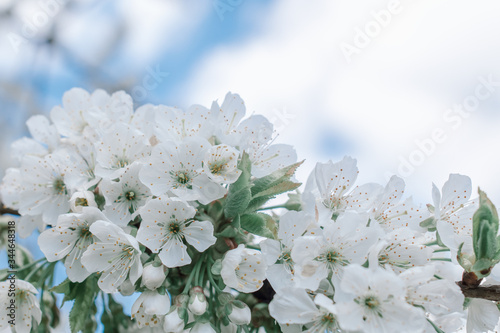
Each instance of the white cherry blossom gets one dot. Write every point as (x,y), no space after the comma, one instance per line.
(177,168)
(69,239)
(244,269)
(125,196)
(373,301)
(339,244)
(120,146)
(165,226)
(115,255)
(26,306)
(331,185)
(149,308)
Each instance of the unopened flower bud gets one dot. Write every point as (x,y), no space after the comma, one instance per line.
(82,199)
(240,314)
(197,301)
(127,288)
(153,277)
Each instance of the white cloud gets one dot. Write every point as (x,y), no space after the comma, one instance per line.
(395,91)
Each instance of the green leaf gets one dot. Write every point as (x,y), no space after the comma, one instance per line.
(484,232)
(487,242)
(63,287)
(228,232)
(236,223)
(237,202)
(82,315)
(278,188)
(256,224)
(257,203)
(239,193)
(113,318)
(278,176)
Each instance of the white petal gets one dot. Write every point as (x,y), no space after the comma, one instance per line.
(200,235)
(174,254)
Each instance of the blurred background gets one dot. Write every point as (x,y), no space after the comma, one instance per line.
(406,87)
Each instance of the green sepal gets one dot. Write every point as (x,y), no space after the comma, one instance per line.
(428,223)
(216,267)
(225,298)
(482,265)
(467,265)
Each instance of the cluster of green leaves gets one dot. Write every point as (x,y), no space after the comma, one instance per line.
(82,317)
(246,197)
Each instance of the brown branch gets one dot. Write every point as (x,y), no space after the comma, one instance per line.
(5,210)
(491,293)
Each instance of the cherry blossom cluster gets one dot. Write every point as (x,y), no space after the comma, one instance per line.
(173,204)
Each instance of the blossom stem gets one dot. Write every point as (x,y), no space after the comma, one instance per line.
(197,274)
(272,207)
(211,278)
(191,276)
(31,264)
(441,259)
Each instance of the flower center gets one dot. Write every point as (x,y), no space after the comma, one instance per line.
(372,302)
(328,319)
(59,186)
(130,195)
(84,232)
(174,228)
(287,261)
(81,202)
(121,162)
(217,167)
(332,258)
